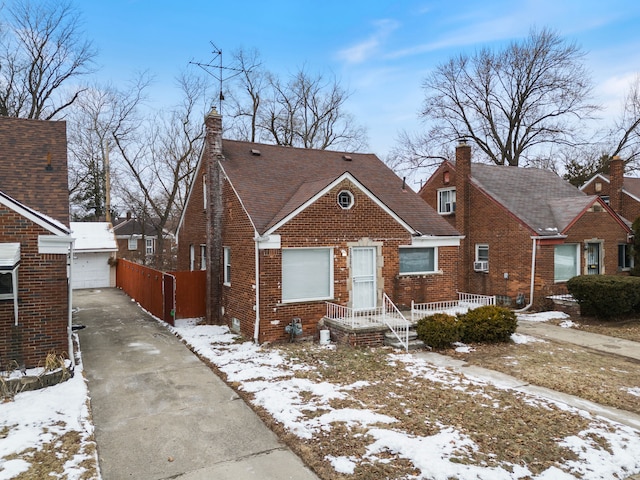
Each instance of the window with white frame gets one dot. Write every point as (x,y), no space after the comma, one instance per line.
(625,258)
(227,265)
(9,263)
(482,252)
(307,274)
(149,246)
(566,262)
(133,243)
(345,199)
(192,257)
(446,201)
(204,190)
(203,257)
(418,260)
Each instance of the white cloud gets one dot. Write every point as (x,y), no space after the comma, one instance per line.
(364,50)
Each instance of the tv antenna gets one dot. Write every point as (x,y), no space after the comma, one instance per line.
(211,69)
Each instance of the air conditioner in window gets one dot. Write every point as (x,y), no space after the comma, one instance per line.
(482,266)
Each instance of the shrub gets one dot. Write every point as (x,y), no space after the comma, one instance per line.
(488,324)
(438,330)
(605,296)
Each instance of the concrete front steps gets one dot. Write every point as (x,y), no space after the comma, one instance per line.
(414,344)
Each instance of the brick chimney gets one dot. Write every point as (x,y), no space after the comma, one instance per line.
(463,172)
(616,179)
(212,157)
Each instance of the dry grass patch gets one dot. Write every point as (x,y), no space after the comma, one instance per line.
(629,328)
(508,428)
(598,377)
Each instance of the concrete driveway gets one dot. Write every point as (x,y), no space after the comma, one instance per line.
(159,412)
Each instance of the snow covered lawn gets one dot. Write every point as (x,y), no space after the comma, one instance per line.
(360,413)
(48,433)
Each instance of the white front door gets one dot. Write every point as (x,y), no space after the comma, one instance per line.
(363,273)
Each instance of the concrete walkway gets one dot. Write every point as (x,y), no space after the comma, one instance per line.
(594,341)
(159,412)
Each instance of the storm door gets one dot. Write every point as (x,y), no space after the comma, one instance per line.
(363,274)
(593,258)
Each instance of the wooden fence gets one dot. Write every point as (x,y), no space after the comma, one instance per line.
(166,295)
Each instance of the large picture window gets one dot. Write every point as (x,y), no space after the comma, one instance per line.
(565,262)
(307,274)
(418,260)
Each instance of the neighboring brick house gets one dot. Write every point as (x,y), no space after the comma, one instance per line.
(294,228)
(138,242)
(35,239)
(505,213)
(621,193)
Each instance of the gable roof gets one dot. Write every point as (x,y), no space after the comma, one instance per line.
(93,236)
(33,161)
(539,198)
(46,222)
(630,185)
(133,226)
(280,180)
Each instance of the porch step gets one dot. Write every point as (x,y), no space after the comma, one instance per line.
(414,344)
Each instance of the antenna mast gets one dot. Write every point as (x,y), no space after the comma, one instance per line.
(211,68)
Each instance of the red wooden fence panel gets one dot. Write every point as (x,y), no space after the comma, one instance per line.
(143,284)
(191,290)
(168,296)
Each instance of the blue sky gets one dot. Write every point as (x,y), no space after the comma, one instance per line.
(380,50)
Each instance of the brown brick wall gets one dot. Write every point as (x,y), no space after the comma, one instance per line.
(193,230)
(42,296)
(630,207)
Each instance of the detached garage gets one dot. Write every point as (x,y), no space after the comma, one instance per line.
(94,247)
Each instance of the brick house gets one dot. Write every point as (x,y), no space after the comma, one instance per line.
(621,193)
(291,229)
(137,242)
(524,224)
(35,239)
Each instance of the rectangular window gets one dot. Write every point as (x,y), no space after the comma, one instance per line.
(565,262)
(227,265)
(418,260)
(7,279)
(307,274)
(447,201)
(482,252)
(204,190)
(203,257)
(192,257)
(625,259)
(133,243)
(150,246)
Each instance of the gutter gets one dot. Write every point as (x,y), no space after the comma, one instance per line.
(256,326)
(70,306)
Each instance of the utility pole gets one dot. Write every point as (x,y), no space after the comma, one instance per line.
(107,183)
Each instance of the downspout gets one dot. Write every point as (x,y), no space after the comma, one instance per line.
(70,306)
(256,327)
(533,276)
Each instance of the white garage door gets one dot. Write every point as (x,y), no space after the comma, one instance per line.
(90,270)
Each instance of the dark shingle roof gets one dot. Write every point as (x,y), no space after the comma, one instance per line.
(33,162)
(540,198)
(279,180)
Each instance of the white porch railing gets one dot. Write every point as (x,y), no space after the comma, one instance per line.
(387,314)
(465,302)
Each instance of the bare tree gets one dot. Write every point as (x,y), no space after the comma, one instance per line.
(512,102)
(244,101)
(309,112)
(626,131)
(157,171)
(41,51)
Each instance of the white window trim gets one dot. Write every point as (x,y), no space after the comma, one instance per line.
(331,267)
(351,200)
(146,246)
(478,247)
(440,206)
(435,270)
(631,260)
(203,257)
(577,272)
(132,241)
(226,272)
(192,257)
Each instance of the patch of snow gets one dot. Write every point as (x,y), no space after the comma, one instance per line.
(568,324)
(462,348)
(521,339)
(633,391)
(345,465)
(542,316)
